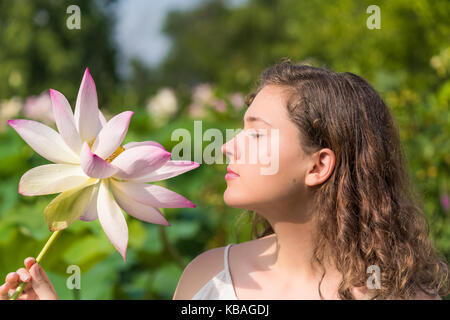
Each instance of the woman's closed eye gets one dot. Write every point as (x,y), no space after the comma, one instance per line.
(255,134)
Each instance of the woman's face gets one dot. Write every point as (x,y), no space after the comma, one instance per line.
(270,168)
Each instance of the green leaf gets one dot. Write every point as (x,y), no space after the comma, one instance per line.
(182,230)
(136,232)
(27,217)
(152,243)
(87,248)
(166,280)
(8,195)
(98,282)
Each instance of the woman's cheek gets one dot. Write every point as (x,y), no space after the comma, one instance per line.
(270,152)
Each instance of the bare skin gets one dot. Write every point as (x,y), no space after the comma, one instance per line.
(38,287)
(256,275)
(253,275)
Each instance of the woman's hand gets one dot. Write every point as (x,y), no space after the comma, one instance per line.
(38,287)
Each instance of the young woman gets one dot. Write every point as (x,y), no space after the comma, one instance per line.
(338,207)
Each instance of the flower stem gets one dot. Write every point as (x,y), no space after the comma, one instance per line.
(38,260)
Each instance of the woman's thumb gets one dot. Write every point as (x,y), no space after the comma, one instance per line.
(41,284)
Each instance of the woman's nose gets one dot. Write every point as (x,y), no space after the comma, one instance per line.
(229,149)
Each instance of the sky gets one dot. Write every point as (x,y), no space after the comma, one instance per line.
(138,29)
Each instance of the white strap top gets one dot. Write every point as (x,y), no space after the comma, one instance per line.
(220,287)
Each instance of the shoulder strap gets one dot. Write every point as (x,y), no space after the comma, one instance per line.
(225,262)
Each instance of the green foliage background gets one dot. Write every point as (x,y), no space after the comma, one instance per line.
(407,61)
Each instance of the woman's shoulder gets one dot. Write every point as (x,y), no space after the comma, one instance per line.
(198,272)
(210,262)
(249,251)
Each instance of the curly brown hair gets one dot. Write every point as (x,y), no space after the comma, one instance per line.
(367,212)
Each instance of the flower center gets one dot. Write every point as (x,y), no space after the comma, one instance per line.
(118,151)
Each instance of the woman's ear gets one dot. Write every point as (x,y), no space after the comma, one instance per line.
(321,167)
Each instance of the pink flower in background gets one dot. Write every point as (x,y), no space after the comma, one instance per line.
(95,175)
(202,95)
(237,100)
(39,108)
(203,98)
(220,106)
(196,110)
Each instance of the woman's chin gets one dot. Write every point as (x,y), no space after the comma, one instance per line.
(233,199)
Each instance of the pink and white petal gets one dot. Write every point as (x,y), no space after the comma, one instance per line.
(44,140)
(112,134)
(170,169)
(112,220)
(94,166)
(65,121)
(101,118)
(143,143)
(138,161)
(138,210)
(101,121)
(90,213)
(51,178)
(86,108)
(152,195)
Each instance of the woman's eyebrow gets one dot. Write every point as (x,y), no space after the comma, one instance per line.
(255,118)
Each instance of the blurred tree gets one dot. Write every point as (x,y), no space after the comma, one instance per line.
(231,45)
(38,51)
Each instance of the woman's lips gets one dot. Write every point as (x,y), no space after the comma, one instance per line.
(231,174)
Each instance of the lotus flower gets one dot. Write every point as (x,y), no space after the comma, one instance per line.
(89,162)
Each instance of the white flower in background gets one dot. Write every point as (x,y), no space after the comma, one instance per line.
(9,109)
(39,108)
(162,106)
(237,100)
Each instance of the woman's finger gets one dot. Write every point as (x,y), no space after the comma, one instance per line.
(4,289)
(28,262)
(12,279)
(46,279)
(41,284)
(24,275)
